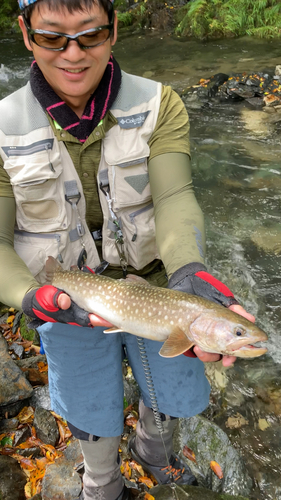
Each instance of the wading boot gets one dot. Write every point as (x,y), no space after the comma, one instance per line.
(148,450)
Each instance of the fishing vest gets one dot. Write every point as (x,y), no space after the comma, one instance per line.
(50,204)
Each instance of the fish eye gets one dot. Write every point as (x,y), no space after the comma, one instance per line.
(240,332)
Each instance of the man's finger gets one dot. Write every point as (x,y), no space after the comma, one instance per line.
(240,310)
(64,301)
(97,321)
(206,357)
(228,360)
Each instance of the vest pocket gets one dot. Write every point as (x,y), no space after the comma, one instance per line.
(34,249)
(129,183)
(38,188)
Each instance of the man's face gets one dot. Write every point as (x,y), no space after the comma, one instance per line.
(57,67)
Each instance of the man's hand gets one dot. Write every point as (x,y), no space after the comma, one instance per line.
(64,302)
(193,278)
(50,304)
(208,357)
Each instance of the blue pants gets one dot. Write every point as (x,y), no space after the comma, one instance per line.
(86,384)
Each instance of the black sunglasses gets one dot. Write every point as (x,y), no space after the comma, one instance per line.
(51,40)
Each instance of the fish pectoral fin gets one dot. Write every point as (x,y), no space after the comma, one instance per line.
(176,344)
(114,329)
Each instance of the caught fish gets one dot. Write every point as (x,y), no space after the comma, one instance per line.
(178,319)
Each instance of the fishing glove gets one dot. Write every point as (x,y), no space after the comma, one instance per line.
(193,278)
(42,304)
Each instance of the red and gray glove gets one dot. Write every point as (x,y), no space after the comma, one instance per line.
(42,304)
(193,278)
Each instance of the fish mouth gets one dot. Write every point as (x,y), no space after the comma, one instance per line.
(245,348)
(249,351)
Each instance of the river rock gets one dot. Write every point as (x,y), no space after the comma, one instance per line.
(268,239)
(193,493)
(41,398)
(46,426)
(12,479)
(14,386)
(73,454)
(61,482)
(210,443)
(31,369)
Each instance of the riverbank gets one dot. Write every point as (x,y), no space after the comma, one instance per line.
(200,19)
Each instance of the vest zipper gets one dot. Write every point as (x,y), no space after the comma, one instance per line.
(135,214)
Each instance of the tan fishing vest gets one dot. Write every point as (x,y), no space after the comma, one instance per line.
(51,208)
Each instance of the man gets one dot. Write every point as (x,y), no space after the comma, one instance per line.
(95,170)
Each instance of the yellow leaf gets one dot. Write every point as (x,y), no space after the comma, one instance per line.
(28,490)
(216,468)
(147,496)
(263,424)
(26,415)
(148,482)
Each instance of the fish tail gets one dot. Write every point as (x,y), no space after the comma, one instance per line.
(52,266)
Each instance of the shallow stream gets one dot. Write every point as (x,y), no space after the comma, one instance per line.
(237,177)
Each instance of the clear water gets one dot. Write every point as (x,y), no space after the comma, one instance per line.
(237,177)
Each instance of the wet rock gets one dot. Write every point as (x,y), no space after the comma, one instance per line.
(8,424)
(12,410)
(194,493)
(271,100)
(61,482)
(17,349)
(16,322)
(12,479)
(22,435)
(256,122)
(268,239)
(13,383)
(210,443)
(72,454)
(278,70)
(31,369)
(41,398)
(131,390)
(46,426)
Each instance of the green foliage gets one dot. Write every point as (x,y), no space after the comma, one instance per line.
(125,19)
(8,12)
(26,332)
(216,18)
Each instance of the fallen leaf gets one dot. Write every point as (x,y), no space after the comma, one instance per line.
(145,480)
(147,496)
(216,468)
(127,471)
(131,421)
(6,441)
(43,367)
(188,453)
(10,319)
(263,424)
(134,465)
(28,490)
(236,422)
(26,415)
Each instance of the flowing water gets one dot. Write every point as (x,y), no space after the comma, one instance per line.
(237,177)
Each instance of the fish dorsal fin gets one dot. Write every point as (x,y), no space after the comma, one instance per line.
(176,344)
(52,266)
(114,329)
(136,280)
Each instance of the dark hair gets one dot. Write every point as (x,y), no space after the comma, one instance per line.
(71,5)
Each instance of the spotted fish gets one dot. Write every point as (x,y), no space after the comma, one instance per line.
(178,319)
